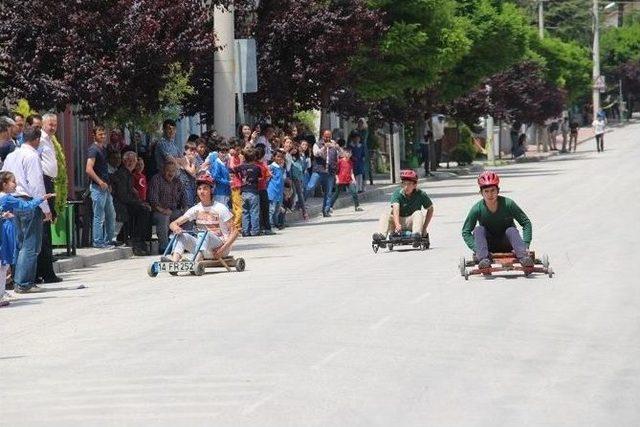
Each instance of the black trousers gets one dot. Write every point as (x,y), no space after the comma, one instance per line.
(265,224)
(45,257)
(139,223)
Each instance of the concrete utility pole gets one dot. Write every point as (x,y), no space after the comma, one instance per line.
(224,105)
(541,18)
(596,58)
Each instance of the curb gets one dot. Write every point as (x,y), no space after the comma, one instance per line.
(100,256)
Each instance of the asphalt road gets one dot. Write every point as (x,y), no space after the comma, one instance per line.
(320,331)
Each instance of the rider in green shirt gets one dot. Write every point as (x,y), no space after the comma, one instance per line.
(406,213)
(496,231)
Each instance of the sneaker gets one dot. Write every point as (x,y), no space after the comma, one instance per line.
(378,237)
(269,232)
(34,289)
(53,279)
(4,302)
(359,209)
(526,262)
(326,214)
(484,263)
(417,240)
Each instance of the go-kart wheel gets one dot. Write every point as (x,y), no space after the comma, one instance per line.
(240,264)
(152,270)
(173,273)
(550,272)
(545,261)
(375,247)
(462,266)
(198,269)
(390,246)
(466,274)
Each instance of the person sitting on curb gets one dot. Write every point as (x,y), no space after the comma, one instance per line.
(209,215)
(497,231)
(407,204)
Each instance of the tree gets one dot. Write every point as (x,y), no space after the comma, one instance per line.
(305,49)
(568,20)
(520,93)
(566,64)
(112,58)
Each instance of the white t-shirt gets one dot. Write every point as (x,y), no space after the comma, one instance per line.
(211,218)
(599,126)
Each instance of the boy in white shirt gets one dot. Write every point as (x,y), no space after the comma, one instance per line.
(209,215)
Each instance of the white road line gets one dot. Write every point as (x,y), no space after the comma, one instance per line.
(249,409)
(379,323)
(327,359)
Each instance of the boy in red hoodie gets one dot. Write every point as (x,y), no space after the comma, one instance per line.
(345,179)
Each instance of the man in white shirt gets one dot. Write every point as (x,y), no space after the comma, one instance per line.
(25,165)
(50,170)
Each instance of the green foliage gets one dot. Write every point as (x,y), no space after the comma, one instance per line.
(619,45)
(424,39)
(176,89)
(23,108)
(566,64)
(60,184)
(498,35)
(308,118)
(464,152)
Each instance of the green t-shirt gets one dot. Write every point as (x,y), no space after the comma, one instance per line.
(415,202)
(497,222)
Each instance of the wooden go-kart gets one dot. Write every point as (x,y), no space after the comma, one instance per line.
(403,239)
(505,262)
(191,264)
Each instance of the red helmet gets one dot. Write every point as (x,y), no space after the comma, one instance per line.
(408,175)
(205,178)
(488,179)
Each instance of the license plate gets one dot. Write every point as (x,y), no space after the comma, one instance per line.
(175,267)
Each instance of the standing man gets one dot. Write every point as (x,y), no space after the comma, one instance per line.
(50,171)
(104,214)
(325,167)
(34,120)
(25,164)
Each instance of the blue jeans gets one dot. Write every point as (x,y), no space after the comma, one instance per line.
(104,216)
(29,227)
(274,213)
(327,181)
(250,214)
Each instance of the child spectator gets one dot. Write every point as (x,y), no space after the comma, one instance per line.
(305,158)
(345,180)
(275,189)
(358,158)
(202,149)
(249,174)
(8,232)
(265,224)
(140,180)
(297,179)
(216,164)
(191,168)
(235,147)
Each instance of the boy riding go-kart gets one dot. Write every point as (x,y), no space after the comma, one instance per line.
(407,221)
(496,238)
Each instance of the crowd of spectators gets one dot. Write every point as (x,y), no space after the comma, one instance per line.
(260,174)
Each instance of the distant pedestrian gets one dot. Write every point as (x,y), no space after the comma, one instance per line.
(599,125)
(573,134)
(345,180)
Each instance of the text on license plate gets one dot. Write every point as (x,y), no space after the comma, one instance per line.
(175,266)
